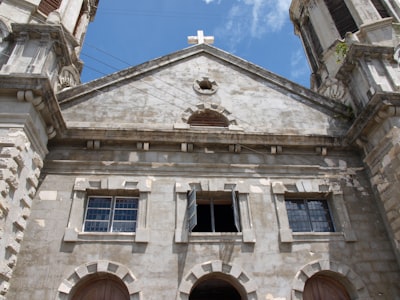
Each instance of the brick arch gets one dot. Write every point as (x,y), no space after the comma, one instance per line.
(213,107)
(102,266)
(213,267)
(342,272)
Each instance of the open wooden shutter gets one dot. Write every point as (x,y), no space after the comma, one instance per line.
(192,209)
(235,207)
(47,6)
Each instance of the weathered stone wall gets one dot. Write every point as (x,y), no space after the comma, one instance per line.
(159,267)
(20,168)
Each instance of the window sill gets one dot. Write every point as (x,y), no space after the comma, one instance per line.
(70,235)
(317,236)
(211,237)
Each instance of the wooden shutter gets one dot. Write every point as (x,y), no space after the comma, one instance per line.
(102,289)
(192,209)
(235,207)
(324,287)
(47,6)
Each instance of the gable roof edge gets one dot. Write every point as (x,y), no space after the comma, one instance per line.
(303,94)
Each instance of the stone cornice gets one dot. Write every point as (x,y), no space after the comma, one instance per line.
(380,107)
(38,86)
(357,51)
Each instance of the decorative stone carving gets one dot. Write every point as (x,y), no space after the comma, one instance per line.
(333,89)
(68,77)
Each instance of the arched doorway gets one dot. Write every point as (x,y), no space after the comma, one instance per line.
(322,286)
(100,286)
(216,287)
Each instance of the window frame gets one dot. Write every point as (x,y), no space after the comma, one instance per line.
(119,186)
(182,232)
(306,200)
(312,189)
(112,212)
(193,203)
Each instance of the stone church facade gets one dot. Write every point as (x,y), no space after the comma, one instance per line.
(199,175)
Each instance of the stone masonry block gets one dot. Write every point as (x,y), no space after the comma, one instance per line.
(5,271)
(4,188)
(102,266)
(9,164)
(65,287)
(217,266)
(13,246)
(121,272)
(20,224)
(82,271)
(198,271)
(26,201)
(48,195)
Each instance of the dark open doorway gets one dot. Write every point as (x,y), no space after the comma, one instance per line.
(214,289)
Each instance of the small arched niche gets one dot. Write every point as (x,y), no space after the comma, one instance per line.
(217,286)
(100,286)
(208,118)
(327,286)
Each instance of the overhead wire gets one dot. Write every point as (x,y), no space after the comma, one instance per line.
(131,84)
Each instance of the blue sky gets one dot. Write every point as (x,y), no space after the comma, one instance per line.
(128,32)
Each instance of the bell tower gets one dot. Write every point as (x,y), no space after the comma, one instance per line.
(40,41)
(353,49)
(45,37)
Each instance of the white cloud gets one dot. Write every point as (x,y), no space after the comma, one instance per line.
(211,1)
(298,65)
(253,18)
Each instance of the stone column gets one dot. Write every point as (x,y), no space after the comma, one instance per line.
(23,140)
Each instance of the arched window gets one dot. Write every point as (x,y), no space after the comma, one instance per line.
(100,286)
(208,118)
(321,286)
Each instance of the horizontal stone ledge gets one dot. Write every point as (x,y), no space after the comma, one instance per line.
(214,137)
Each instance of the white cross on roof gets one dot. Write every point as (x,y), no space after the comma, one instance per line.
(200,38)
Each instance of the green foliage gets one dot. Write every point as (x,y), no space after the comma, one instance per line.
(341,51)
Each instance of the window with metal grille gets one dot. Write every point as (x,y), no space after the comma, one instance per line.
(309,215)
(111,214)
(208,118)
(47,6)
(341,16)
(213,212)
(380,8)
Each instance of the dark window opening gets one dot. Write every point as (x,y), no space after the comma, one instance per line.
(208,118)
(213,212)
(309,215)
(205,85)
(341,16)
(214,289)
(380,8)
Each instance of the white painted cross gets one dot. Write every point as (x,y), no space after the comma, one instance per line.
(200,38)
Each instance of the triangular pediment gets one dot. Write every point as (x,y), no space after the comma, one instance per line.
(165,93)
